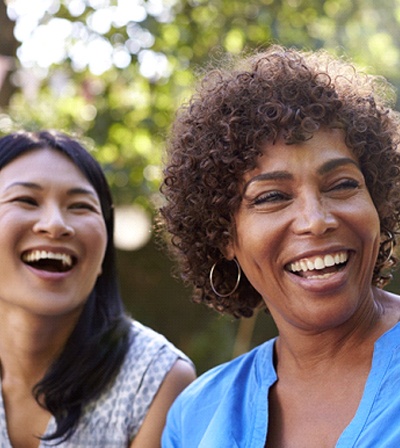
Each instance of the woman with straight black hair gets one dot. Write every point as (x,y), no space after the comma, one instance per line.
(75,369)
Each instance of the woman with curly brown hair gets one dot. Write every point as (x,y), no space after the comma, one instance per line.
(283,191)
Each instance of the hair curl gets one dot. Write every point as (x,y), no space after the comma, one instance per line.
(219,135)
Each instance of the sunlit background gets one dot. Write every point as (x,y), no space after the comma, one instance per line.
(47,40)
(58,39)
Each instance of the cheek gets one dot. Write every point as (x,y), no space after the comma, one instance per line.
(95,237)
(367,221)
(256,259)
(258,241)
(101,244)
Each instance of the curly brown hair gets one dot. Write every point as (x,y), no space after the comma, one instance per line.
(219,135)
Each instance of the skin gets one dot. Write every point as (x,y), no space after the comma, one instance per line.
(179,377)
(54,210)
(302,202)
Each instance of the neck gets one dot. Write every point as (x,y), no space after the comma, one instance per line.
(313,351)
(29,344)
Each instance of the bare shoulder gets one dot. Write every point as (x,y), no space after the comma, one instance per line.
(178,378)
(183,372)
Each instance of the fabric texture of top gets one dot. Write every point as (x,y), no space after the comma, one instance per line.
(115,417)
(227,407)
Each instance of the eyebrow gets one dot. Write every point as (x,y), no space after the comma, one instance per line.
(325,168)
(273,175)
(34,186)
(336,163)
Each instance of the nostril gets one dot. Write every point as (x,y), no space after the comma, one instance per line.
(316,221)
(68,230)
(54,229)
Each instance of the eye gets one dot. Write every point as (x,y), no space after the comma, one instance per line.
(343,188)
(271,197)
(347,184)
(25,200)
(83,206)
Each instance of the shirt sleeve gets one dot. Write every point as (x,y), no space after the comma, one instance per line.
(154,375)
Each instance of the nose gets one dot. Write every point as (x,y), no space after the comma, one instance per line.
(52,223)
(314,216)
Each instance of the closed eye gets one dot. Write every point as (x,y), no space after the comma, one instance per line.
(271,197)
(347,184)
(84,206)
(25,200)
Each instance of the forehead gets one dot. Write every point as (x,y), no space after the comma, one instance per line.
(48,164)
(311,155)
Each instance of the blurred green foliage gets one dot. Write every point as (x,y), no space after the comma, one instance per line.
(123,112)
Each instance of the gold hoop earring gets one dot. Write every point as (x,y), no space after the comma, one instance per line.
(239,275)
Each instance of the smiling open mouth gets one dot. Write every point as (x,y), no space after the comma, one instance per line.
(49,261)
(319,266)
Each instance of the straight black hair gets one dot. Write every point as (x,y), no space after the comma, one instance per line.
(97,346)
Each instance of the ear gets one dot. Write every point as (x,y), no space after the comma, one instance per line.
(229,251)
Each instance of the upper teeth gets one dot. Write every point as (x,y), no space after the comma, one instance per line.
(318,263)
(37,255)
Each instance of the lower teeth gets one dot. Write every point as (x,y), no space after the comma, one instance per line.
(319,276)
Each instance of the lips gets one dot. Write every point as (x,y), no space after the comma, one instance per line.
(51,261)
(319,265)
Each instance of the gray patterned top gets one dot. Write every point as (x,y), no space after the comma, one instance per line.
(115,417)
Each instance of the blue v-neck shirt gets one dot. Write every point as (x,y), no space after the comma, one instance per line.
(227,407)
